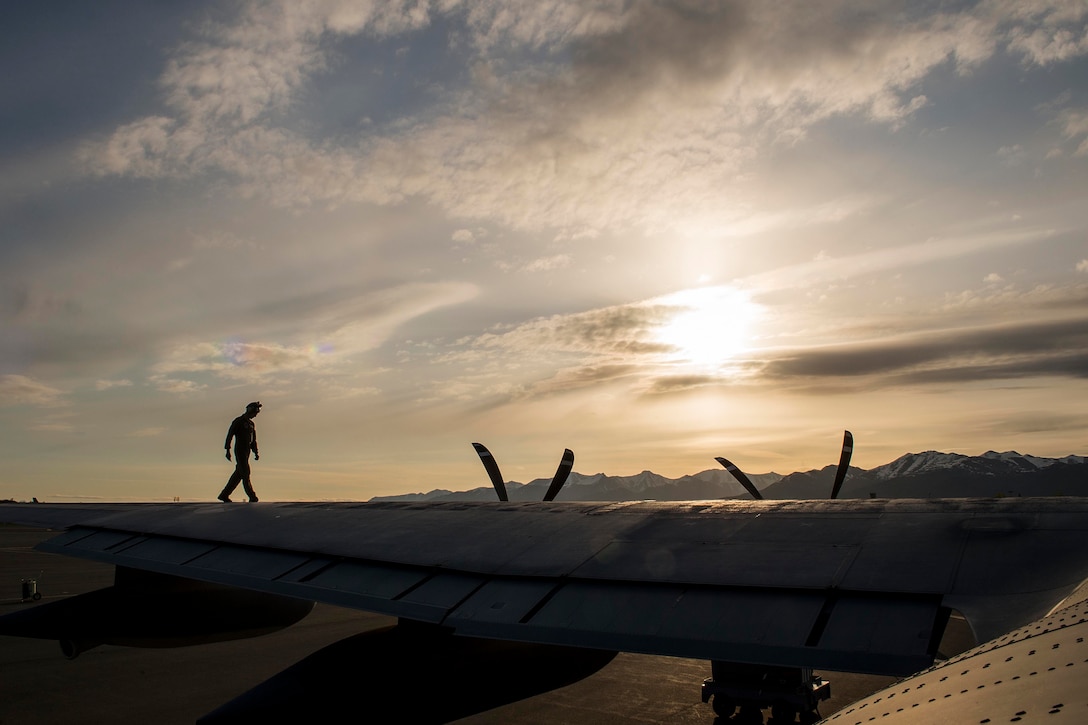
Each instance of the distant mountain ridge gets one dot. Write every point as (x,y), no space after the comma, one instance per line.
(931,474)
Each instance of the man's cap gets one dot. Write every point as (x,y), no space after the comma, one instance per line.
(254,405)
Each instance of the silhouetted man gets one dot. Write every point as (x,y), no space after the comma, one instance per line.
(244,433)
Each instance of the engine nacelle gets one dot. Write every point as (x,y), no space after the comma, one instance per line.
(145,609)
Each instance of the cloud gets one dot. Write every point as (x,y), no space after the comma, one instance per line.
(825,268)
(547,264)
(1008,299)
(668,384)
(642,345)
(579,378)
(463,236)
(641,113)
(1048,348)
(1044,32)
(176,386)
(22,390)
(1012,155)
(621,330)
(1074,126)
(338,327)
(109,384)
(250,362)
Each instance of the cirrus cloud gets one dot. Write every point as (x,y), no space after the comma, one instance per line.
(644,114)
(23,390)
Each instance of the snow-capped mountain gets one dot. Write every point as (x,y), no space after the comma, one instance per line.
(931,474)
(989,463)
(934,474)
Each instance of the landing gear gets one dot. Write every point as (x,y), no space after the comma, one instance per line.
(788,691)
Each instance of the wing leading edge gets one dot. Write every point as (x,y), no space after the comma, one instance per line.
(851,585)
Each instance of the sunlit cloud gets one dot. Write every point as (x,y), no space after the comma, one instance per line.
(689,337)
(110,384)
(22,390)
(650,89)
(1043,348)
(176,386)
(1012,301)
(826,268)
(463,236)
(347,327)
(1056,34)
(547,264)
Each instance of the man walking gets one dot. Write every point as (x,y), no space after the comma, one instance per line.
(244,433)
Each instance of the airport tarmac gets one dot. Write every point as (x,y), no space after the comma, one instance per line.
(130,685)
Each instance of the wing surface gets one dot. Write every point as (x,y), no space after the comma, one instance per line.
(849,585)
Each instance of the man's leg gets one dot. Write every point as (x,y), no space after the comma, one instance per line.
(241,473)
(248,486)
(243,465)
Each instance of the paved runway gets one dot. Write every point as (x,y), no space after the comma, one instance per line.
(127,685)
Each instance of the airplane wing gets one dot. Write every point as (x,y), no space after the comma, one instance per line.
(864,586)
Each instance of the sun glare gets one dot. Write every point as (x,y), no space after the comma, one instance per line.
(710,326)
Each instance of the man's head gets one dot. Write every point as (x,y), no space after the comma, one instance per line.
(252,409)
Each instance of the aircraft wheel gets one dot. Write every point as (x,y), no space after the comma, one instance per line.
(723,706)
(37,596)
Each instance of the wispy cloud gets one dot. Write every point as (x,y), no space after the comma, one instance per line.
(826,268)
(109,384)
(337,328)
(660,107)
(1044,348)
(22,390)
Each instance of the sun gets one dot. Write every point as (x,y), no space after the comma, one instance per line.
(707,326)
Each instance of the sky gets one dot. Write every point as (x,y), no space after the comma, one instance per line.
(651,232)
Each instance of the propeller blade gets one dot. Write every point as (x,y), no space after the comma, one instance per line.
(561,474)
(844,462)
(492,469)
(739,475)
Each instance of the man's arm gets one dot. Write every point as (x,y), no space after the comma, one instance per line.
(230,435)
(253,445)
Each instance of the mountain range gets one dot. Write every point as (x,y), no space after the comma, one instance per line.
(931,474)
